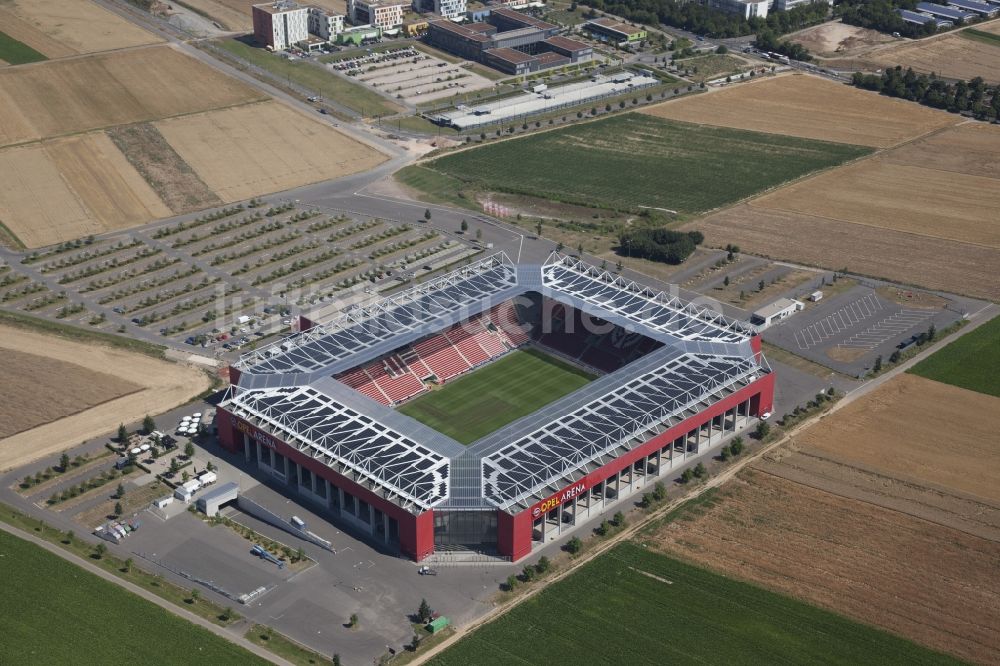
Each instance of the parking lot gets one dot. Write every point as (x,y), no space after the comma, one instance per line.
(849,330)
(412,76)
(226,279)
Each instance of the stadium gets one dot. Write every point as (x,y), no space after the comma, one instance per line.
(495,408)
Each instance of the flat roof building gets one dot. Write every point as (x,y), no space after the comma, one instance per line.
(748,9)
(614,32)
(775,312)
(450,9)
(382,14)
(279,25)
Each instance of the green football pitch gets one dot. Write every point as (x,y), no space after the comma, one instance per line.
(503,391)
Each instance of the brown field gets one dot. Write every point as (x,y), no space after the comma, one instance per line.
(809,107)
(924,214)
(172,178)
(923,581)
(951,56)
(68,389)
(992,26)
(69,96)
(235,14)
(71,187)
(161,386)
(59,28)
(261,148)
(919,429)
(839,39)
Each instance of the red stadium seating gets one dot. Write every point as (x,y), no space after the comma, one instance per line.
(441,357)
(504,318)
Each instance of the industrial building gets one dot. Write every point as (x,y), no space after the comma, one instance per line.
(614,32)
(940,11)
(775,312)
(510,41)
(315,411)
(921,19)
(785,5)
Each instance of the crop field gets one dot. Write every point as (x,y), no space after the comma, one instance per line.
(315,78)
(14,52)
(969,362)
(68,389)
(71,96)
(59,28)
(635,160)
(70,187)
(42,586)
(633,606)
(920,214)
(514,386)
(256,149)
(149,386)
(914,578)
(811,108)
(952,56)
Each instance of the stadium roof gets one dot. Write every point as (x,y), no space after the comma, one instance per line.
(287,389)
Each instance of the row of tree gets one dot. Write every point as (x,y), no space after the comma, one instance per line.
(881,15)
(664,245)
(973,96)
(704,20)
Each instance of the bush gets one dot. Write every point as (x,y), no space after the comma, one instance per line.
(543,565)
(659,492)
(736,447)
(573,546)
(603,528)
(511,583)
(763,430)
(724,453)
(659,244)
(687,476)
(618,520)
(700,471)
(528,573)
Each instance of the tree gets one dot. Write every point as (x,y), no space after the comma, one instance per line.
(119,510)
(148,424)
(878,364)
(574,545)
(736,446)
(414,643)
(336,659)
(618,520)
(128,565)
(174,465)
(699,470)
(352,621)
(932,331)
(479,234)
(726,281)
(227,614)
(760,286)
(725,453)
(122,433)
(185,476)
(659,491)
(427,214)
(543,564)
(189,450)
(603,528)
(511,583)
(99,551)
(464,226)
(64,462)
(528,573)
(687,476)
(120,491)
(195,595)
(538,228)
(722,50)
(579,249)
(743,295)
(424,612)
(895,356)
(763,430)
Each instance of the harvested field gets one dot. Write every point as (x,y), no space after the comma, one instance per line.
(235,14)
(60,28)
(918,429)
(920,214)
(171,177)
(885,194)
(951,56)
(257,149)
(955,267)
(70,96)
(839,39)
(808,107)
(160,386)
(930,583)
(71,187)
(67,389)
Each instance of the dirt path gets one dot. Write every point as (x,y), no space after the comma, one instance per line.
(982,317)
(148,596)
(163,385)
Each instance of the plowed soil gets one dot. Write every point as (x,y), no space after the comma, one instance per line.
(159,386)
(809,107)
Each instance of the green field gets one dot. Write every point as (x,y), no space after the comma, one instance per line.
(970,362)
(613,611)
(503,391)
(981,36)
(17,53)
(56,613)
(312,77)
(632,160)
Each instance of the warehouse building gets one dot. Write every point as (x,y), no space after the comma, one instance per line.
(315,411)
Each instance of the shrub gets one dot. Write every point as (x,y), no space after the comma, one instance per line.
(543,564)
(700,471)
(618,520)
(573,546)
